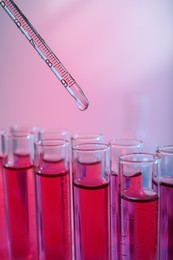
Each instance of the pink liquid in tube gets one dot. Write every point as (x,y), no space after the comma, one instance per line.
(3,228)
(20,199)
(53,194)
(139,224)
(91,214)
(166,218)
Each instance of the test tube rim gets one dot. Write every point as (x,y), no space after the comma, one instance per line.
(165,150)
(123,142)
(46,142)
(98,147)
(86,135)
(125,158)
(18,134)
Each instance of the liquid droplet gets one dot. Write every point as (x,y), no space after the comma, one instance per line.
(81,106)
(77,93)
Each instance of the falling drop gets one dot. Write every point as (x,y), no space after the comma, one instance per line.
(81,106)
(81,100)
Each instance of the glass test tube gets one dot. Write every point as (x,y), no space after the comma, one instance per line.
(91,201)
(118,147)
(85,137)
(53,199)
(80,138)
(19,183)
(3,227)
(166,204)
(139,206)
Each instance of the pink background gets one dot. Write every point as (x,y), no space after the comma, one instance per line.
(119,52)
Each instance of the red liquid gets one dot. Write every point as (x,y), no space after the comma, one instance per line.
(91,215)
(20,199)
(3,231)
(53,194)
(139,222)
(115,215)
(166,219)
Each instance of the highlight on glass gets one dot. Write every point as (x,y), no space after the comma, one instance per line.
(139,206)
(20,197)
(53,198)
(91,201)
(166,204)
(118,147)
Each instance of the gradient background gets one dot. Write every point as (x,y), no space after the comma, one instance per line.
(119,52)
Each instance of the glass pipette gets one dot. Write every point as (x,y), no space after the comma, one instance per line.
(45,52)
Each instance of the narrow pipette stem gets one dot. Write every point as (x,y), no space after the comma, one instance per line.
(45,52)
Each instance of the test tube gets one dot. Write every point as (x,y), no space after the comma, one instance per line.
(3,228)
(20,197)
(166,204)
(91,201)
(53,199)
(118,147)
(80,138)
(139,206)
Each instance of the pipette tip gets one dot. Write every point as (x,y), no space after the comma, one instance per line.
(81,100)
